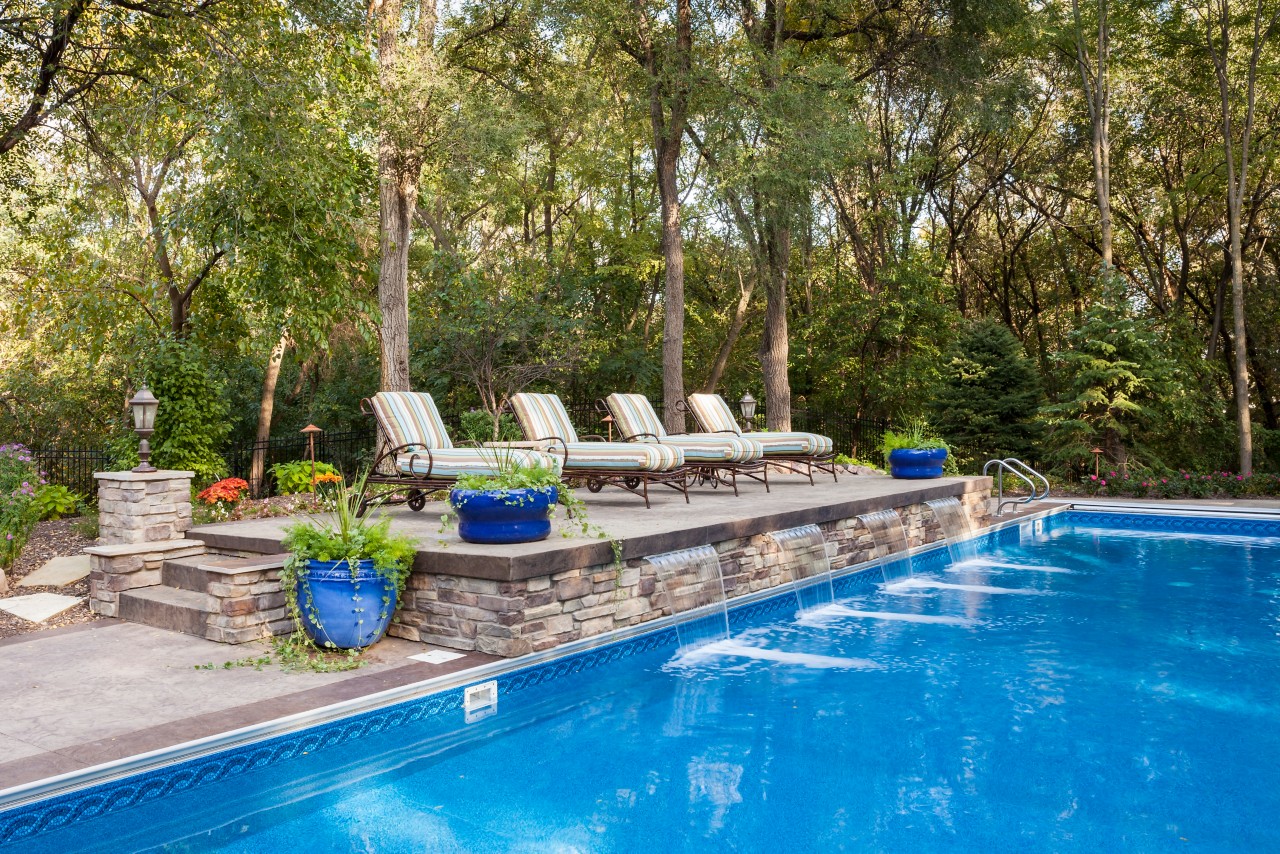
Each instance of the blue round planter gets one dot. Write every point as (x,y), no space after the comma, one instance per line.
(914,463)
(341,610)
(504,516)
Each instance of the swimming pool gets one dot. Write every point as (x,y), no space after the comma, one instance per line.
(1094,681)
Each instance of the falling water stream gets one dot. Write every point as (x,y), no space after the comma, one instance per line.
(956,528)
(805,549)
(695,593)
(891,539)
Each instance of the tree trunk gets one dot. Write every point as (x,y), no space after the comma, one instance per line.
(398,175)
(1097,93)
(673,292)
(775,346)
(257,468)
(1244,422)
(736,323)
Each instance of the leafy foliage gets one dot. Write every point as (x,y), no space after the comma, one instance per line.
(191,421)
(295,476)
(53,501)
(19,513)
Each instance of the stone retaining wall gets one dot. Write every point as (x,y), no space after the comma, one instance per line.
(512,618)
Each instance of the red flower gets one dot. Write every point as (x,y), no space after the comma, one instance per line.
(229,489)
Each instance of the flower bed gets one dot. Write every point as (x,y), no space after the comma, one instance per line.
(1183,484)
(19,480)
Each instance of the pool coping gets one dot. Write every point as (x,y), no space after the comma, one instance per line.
(114,771)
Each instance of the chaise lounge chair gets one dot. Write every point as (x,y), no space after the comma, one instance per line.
(628,466)
(800,452)
(711,456)
(416,457)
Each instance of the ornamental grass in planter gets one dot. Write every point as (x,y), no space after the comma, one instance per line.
(915,452)
(345,574)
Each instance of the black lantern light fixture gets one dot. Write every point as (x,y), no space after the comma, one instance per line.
(144,406)
(748,407)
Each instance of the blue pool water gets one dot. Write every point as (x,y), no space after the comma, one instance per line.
(1087,688)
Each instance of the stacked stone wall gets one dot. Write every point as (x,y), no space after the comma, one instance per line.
(513,618)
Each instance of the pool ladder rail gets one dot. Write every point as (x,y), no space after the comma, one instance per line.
(1023,472)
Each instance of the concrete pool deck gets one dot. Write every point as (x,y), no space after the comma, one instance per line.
(80,696)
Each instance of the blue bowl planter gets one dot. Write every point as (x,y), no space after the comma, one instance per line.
(504,515)
(341,608)
(917,463)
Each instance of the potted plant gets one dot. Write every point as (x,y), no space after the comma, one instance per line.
(914,452)
(345,573)
(512,506)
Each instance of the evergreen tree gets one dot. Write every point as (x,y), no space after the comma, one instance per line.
(990,394)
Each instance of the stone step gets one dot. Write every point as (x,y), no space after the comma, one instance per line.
(168,608)
(197,573)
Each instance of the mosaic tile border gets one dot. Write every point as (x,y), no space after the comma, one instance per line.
(1173,524)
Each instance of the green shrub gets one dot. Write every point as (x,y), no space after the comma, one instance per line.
(990,394)
(19,480)
(191,423)
(477,426)
(54,502)
(295,477)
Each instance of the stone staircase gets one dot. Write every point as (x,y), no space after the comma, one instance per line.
(223,597)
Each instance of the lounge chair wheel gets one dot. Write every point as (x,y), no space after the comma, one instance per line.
(631,482)
(417,500)
(594,485)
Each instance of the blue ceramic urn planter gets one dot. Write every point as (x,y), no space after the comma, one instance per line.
(341,608)
(504,516)
(916,463)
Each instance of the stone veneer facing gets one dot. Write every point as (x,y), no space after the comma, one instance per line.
(513,618)
(142,522)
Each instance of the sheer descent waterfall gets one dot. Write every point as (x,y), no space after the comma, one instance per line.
(695,593)
(890,537)
(805,548)
(956,528)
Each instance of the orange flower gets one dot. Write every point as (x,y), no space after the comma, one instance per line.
(229,490)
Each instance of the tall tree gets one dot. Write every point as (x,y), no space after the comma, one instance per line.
(1218,31)
(667,63)
(1095,78)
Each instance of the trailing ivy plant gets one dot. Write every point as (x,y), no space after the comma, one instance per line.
(343,537)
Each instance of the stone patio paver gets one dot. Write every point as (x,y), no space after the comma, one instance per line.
(38,607)
(58,572)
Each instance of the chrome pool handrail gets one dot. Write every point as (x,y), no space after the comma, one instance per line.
(1008,465)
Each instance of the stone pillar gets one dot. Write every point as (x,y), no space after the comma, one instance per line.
(136,508)
(142,522)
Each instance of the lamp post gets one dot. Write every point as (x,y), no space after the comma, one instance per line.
(1097,453)
(748,407)
(143,406)
(608,423)
(310,432)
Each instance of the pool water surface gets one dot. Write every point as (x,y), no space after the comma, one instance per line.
(1086,687)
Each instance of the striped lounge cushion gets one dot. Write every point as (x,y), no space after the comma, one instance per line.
(452,462)
(806,444)
(410,418)
(622,456)
(543,416)
(716,447)
(713,413)
(634,416)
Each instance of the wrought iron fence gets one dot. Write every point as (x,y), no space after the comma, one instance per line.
(347,451)
(72,467)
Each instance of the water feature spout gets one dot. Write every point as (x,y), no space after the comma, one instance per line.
(890,537)
(956,528)
(805,548)
(695,593)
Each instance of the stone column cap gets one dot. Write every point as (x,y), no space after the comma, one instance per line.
(143,477)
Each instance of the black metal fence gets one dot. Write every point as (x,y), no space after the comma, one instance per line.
(72,467)
(347,452)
